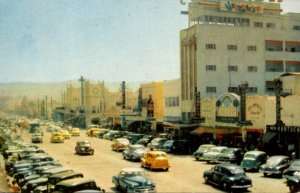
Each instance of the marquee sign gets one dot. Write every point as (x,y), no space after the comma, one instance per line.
(283,129)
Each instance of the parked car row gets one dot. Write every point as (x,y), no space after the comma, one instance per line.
(35,171)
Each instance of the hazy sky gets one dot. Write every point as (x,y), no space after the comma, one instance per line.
(110,40)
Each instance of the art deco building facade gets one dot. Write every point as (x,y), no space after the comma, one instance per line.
(230,42)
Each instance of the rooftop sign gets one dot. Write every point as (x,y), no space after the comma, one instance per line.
(241,7)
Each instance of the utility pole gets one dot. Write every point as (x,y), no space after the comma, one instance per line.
(81,80)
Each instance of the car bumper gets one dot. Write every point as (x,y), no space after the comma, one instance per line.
(241,186)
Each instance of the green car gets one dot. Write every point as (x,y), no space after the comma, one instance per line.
(198,154)
(253,160)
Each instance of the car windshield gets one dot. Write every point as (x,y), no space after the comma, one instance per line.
(134,173)
(136,148)
(84,144)
(160,155)
(216,150)
(237,170)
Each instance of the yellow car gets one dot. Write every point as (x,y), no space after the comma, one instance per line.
(155,160)
(66,134)
(57,138)
(75,132)
(92,132)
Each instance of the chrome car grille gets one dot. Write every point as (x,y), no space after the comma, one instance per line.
(145,189)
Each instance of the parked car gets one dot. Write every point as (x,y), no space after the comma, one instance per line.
(134,137)
(293,182)
(56,178)
(32,184)
(101,133)
(57,138)
(120,144)
(198,154)
(66,134)
(76,184)
(134,152)
(84,147)
(294,167)
(232,155)
(109,134)
(133,180)
(75,131)
(176,146)
(37,138)
(275,165)
(228,177)
(92,132)
(144,141)
(253,160)
(213,154)
(157,143)
(155,160)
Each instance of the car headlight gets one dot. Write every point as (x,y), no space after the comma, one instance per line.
(81,149)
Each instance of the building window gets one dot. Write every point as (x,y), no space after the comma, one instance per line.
(233,68)
(274,66)
(270,25)
(210,67)
(211,89)
(270,86)
(231,47)
(258,24)
(274,45)
(233,89)
(210,46)
(252,89)
(252,68)
(292,66)
(296,27)
(251,48)
(172,101)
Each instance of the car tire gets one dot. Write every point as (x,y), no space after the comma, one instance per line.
(293,188)
(197,158)
(206,179)
(265,174)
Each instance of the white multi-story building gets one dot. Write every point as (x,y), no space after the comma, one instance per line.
(230,42)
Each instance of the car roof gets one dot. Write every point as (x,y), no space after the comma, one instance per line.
(132,170)
(137,145)
(228,165)
(54,170)
(38,180)
(65,174)
(278,157)
(256,153)
(75,181)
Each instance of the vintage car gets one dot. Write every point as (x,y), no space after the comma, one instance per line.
(213,154)
(66,134)
(108,135)
(37,138)
(75,131)
(293,182)
(294,167)
(275,165)
(176,146)
(92,132)
(134,152)
(155,160)
(133,180)
(101,133)
(228,177)
(76,184)
(57,138)
(198,154)
(232,155)
(134,137)
(144,141)
(120,144)
(157,143)
(84,147)
(253,160)
(32,184)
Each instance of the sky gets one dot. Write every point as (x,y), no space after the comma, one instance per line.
(110,40)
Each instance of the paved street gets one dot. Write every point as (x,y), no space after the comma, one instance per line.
(185,174)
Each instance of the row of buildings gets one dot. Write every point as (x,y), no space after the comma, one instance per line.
(231,55)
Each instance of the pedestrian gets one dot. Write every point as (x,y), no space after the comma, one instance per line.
(14,187)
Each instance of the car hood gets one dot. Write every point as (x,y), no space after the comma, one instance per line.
(138,181)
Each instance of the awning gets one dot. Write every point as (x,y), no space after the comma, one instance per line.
(179,125)
(268,136)
(201,130)
(255,130)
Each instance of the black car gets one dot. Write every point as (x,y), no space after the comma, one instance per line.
(275,165)
(294,167)
(232,155)
(84,147)
(176,146)
(134,137)
(228,177)
(76,184)
(143,141)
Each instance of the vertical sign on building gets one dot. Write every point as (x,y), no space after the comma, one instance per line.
(150,107)
(197,103)
(123,95)
(243,89)
(278,91)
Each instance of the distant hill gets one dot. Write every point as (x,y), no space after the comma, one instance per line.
(54,90)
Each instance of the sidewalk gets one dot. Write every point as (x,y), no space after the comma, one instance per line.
(3,179)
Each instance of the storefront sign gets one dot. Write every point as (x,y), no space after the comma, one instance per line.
(283,129)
